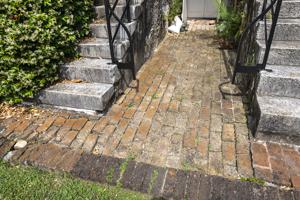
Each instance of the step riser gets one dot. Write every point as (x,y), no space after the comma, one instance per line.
(290,10)
(100,30)
(278,86)
(78,100)
(278,115)
(279,125)
(284,32)
(91,75)
(102,51)
(282,56)
(135,12)
(72,101)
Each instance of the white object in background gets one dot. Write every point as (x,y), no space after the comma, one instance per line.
(176,26)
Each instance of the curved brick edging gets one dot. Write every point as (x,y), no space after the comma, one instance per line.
(166,183)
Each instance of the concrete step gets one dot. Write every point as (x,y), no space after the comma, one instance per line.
(282,52)
(90,96)
(100,30)
(91,70)
(135,11)
(282,81)
(279,115)
(99,48)
(290,9)
(286,29)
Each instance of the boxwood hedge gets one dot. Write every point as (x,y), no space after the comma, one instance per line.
(35,36)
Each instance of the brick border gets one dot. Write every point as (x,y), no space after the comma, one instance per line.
(166,183)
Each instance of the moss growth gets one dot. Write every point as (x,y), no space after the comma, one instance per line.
(110,175)
(254,180)
(154,176)
(123,168)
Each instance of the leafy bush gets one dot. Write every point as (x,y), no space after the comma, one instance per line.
(229,22)
(175,9)
(35,36)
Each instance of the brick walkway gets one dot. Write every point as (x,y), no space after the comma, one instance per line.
(177,119)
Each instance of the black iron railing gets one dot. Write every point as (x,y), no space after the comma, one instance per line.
(246,61)
(127,62)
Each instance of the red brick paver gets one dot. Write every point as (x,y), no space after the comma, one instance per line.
(277,162)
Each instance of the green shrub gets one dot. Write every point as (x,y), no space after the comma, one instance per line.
(229,22)
(175,10)
(35,36)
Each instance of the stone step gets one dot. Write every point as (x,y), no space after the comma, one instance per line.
(281,81)
(135,11)
(99,48)
(279,115)
(290,9)
(100,30)
(121,2)
(282,52)
(90,96)
(286,29)
(91,70)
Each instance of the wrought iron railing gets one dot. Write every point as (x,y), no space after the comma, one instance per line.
(126,62)
(246,60)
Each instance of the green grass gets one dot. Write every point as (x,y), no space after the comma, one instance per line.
(18,182)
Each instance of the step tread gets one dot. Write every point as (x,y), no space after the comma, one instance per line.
(281,71)
(288,21)
(121,2)
(93,70)
(100,30)
(94,63)
(282,81)
(282,106)
(89,96)
(86,89)
(99,48)
(103,42)
(135,10)
(119,5)
(113,24)
(281,44)
(282,21)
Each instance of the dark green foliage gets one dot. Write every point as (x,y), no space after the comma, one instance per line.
(35,36)
(175,9)
(229,22)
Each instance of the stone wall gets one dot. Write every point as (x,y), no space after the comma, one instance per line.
(152,28)
(156,23)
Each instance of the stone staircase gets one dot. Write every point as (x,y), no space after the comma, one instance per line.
(278,94)
(99,80)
